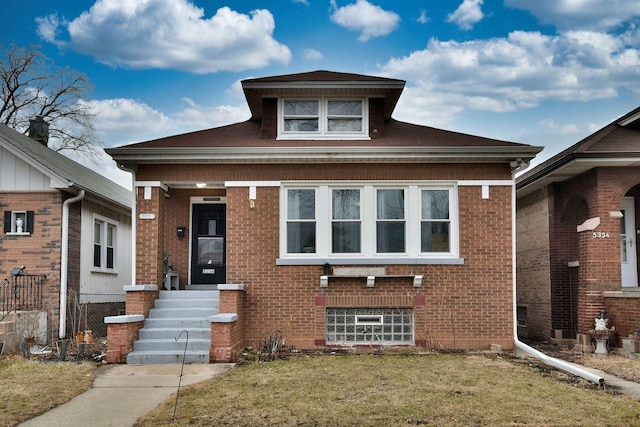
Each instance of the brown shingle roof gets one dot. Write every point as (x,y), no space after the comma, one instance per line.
(322,76)
(397,133)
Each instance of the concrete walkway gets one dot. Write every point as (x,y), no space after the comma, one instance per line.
(121,394)
(629,388)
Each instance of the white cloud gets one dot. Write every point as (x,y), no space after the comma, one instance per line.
(423,18)
(143,34)
(518,72)
(202,117)
(123,121)
(48,28)
(366,18)
(311,54)
(580,14)
(467,14)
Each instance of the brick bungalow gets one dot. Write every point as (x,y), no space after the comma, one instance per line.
(62,220)
(577,225)
(330,221)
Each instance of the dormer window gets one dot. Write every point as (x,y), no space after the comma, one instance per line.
(323,118)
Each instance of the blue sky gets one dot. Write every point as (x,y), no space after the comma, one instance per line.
(541,72)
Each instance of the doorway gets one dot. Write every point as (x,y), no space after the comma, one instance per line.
(628,253)
(208,244)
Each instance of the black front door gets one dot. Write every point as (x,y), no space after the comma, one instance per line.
(208,246)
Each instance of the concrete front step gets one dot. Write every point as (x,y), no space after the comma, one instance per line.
(176,322)
(172,333)
(187,303)
(173,313)
(172,345)
(159,357)
(182,312)
(214,295)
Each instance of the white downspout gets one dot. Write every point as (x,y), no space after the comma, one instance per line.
(522,348)
(134,206)
(64,262)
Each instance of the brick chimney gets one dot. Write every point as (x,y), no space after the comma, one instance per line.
(39,130)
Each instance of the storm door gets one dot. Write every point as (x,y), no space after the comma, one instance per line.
(208,244)
(628,244)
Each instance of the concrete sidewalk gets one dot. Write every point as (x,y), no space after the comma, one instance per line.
(121,394)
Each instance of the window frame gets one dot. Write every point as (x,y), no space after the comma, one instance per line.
(323,117)
(368,216)
(335,221)
(107,249)
(10,222)
(287,220)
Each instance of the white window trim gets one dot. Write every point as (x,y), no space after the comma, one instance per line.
(103,252)
(323,132)
(412,254)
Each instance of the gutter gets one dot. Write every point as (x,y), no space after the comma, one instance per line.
(522,349)
(64,262)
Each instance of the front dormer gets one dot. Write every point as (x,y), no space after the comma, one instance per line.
(322,105)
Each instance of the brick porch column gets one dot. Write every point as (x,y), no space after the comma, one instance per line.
(599,267)
(150,232)
(140,298)
(122,332)
(227,333)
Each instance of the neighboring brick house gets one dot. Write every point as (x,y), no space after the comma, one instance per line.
(343,226)
(577,225)
(63,220)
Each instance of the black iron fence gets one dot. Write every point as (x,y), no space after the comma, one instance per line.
(21,292)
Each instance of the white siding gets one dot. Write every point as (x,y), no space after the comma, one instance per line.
(108,284)
(18,175)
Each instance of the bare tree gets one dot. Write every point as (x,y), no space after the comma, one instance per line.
(33,86)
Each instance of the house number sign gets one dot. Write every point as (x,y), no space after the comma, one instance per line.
(600,235)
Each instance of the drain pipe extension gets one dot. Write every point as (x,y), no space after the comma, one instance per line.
(522,348)
(64,263)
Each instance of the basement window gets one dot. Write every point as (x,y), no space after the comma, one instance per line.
(521,318)
(370,326)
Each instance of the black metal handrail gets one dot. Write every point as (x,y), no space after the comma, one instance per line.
(20,291)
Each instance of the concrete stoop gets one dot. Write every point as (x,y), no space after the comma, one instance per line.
(162,338)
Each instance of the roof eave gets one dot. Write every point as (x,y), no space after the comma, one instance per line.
(573,165)
(130,157)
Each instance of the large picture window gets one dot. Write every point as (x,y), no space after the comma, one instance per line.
(369,221)
(322,117)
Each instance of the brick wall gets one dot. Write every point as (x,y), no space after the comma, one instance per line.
(40,251)
(458,306)
(121,339)
(623,312)
(533,269)
(578,293)
(150,238)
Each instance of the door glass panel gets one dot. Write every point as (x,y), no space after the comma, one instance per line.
(211,226)
(210,250)
(623,237)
